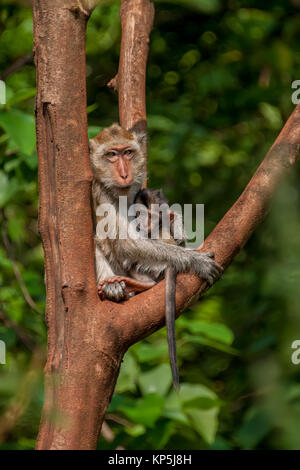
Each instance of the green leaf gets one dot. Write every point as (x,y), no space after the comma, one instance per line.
(8,188)
(220,444)
(145,352)
(128,374)
(145,411)
(4,187)
(189,392)
(204,421)
(209,342)
(205,403)
(34,282)
(160,435)
(173,409)
(157,380)
(21,95)
(21,129)
(30,160)
(93,131)
(160,123)
(135,431)
(92,108)
(272,115)
(255,427)
(5,262)
(119,401)
(9,336)
(16,228)
(215,331)
(12,164)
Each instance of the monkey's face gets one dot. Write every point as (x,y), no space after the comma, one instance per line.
(117,159)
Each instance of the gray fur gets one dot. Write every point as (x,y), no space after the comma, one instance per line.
(133,258)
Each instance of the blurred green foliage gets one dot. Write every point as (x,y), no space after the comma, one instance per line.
(218,92)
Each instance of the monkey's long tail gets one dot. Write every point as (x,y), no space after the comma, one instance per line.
(170,306)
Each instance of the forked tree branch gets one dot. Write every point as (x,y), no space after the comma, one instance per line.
(227,238)
(87,338)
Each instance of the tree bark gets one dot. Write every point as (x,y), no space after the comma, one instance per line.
(83,358)
(137,18)
(87,338)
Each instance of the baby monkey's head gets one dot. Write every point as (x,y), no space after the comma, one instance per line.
(117,158)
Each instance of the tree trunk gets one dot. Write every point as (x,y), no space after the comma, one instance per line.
(80,368)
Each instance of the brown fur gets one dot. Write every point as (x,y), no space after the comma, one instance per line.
(104,173)
(113,134)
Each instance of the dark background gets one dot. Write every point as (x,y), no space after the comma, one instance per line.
(218,92)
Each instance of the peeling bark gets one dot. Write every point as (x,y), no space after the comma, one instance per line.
(87,338)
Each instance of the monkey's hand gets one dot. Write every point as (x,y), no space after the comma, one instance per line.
(120,288)
(206,268)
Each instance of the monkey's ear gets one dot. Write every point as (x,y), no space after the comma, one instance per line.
(140,134)
(92,145)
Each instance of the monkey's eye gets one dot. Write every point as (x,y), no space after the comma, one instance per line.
(111,153)
(128,153)
(112,156)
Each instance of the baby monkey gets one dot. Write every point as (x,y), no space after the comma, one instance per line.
(128,265)
(154,200)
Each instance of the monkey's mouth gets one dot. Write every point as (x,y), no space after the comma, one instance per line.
(123,186)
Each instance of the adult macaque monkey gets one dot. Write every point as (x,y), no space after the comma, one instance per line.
(126,266)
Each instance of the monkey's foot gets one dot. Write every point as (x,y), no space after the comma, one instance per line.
(132,285)
(113,289)
(121,288)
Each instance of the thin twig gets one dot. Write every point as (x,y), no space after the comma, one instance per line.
(257,393)
(17,65)
(107,433)
(113,83)
(9,251)
(27,340)
(119,420)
